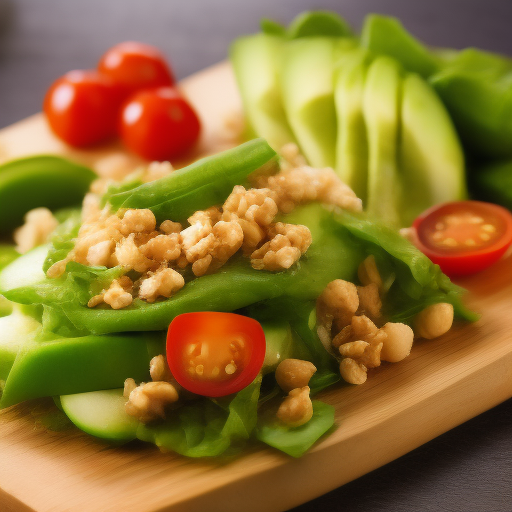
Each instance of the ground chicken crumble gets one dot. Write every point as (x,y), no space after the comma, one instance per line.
(245,222)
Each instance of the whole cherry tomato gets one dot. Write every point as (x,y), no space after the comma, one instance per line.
(136,66)
(215,354)
(82,108)
(159,124)
(463,237)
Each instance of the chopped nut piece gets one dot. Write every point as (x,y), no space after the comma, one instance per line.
(138,221)
(434,321)
(116,296)
(100,253)
(294,373)
(339,301)
(147,402)
(130,256)
(398,342)
(353,349)
(159,370)
(162,248)
(352,372)
(169,227)
(368,272)
(369,300)
(162,283)
(129,386)
(296,408)
(156,170)
(39,224)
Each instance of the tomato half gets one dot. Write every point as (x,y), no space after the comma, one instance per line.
(159,124)
(82,108)
(135,66)
(215,354)
(464,237)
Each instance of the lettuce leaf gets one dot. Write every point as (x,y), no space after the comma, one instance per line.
(205,427)
(297,440)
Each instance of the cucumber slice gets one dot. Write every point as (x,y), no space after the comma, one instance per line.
(24,271)
(255,62)
(15,330)
(279,340)
(308,94)
(101,414)
(430,155)
(352,144)
(381,113)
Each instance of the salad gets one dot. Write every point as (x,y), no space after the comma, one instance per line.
(205,308)
(280,247)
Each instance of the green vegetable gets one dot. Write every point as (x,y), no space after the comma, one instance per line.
(25,270)
(256,65)
(318,24)
(204,183)
(101,414)
(65,366)
(36,181)
(298,440)
(352,143)
(381,113)
(430,157)
(16,330)
(307,91)
(385,35)
(207,428)
(8,254)
(493,182)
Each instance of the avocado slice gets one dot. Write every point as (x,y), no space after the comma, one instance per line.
(101,414)
(351,143)
(385,35)
(308,94)
(381,104)
(430,155)
(255,62)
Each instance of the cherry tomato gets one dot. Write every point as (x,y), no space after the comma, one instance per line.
(215,354)
(159,124)
(464,237)
(82,108)
(136,66)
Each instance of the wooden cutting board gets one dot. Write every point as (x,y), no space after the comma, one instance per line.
(442,384)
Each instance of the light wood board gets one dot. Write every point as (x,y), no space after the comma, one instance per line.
(442,384)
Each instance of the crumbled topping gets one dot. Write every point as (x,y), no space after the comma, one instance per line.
(163,283)
(294,373)
(296,408)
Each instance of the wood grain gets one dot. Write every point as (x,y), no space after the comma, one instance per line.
(442,384)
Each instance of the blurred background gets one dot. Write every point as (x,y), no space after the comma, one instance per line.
(468,469)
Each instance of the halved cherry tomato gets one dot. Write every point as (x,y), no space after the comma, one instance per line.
(159,124)
(464,237)
(136,66)
(215,354)
(82,108)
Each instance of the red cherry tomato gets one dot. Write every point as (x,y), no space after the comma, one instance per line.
(215,354)
(82,108)
(159,124)
(136,66)
(464,237)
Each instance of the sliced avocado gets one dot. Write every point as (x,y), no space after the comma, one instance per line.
(381,103)
(25,270)
(35,181)
(430,155)
(15,330)
(384,35)
(351,144)
(308,94)
(319,23)
(255,63)
(101,414)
